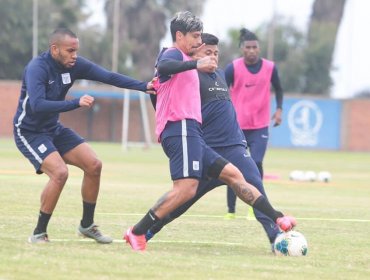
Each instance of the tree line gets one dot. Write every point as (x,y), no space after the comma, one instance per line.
(303,58)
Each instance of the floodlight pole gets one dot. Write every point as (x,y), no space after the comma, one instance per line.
(35,28)
(116,20)
(271,33)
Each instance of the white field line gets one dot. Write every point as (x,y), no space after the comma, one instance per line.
(245,217)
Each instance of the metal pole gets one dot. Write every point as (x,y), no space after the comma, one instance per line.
(145,119)
(271,34)
(116,20)
(125,120)
(35,28)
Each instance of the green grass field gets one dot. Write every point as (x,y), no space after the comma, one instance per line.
(334,217)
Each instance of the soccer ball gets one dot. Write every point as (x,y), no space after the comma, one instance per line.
(310,176)
(297,175)
(291,243)
(324,176)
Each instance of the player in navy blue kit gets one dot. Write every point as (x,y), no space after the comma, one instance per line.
(45,142)
(221,132)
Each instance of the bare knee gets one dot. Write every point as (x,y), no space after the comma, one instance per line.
(186,188)
(94,167)
(59,176)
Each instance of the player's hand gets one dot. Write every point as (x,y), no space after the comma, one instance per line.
(152,86)
(277,117)
(207,64)
(86,101)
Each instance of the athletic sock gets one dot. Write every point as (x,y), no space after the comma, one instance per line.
(263,205)
(145,223)
(88,214)
(42,223)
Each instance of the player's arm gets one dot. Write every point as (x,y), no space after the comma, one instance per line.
(275,81)
(36,78)
(171,62)
(90,71)
(229,74)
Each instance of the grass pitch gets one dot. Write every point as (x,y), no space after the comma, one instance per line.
(334,217)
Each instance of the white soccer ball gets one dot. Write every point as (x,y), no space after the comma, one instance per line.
(310,176)
(324,176)
(297,175)
(291,243)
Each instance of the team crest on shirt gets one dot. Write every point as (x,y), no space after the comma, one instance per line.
(66,78)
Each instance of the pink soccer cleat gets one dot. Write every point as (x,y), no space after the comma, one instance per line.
(286,223)
(137,242)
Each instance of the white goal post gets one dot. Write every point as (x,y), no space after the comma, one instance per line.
(144,120)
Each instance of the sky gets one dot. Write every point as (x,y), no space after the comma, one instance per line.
(350,73)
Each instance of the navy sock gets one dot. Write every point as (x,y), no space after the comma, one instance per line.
(263,205)
(88,214)
(42,223)
(145,223)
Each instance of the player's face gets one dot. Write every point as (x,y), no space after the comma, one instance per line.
(251,51)
(65,51)
(189,42)
(208,50)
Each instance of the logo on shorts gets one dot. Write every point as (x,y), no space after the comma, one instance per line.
(42,148)
(195,165)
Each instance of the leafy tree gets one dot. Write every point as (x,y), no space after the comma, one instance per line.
(289,48)
(143,24)
(16,35)
(325,19)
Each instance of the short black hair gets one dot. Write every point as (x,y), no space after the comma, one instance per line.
(246,35)
(59,33)
(209,39)
(185,22)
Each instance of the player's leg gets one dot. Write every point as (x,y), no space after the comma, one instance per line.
(203,187)
(231,202)
(40,151)
(250,195)
(238,156)
(185,155)
(78,153)
(257,140)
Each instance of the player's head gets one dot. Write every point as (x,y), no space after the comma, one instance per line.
(64,44)
(210,47)
(248,43)
(186,30)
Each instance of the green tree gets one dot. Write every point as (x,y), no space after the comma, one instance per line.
(324,23)
(16,35)
(289,45)
(143,24)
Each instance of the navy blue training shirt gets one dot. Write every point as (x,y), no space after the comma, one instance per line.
(46,83)
(220,126)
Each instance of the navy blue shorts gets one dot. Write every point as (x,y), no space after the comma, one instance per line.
(189,156)
(36,146)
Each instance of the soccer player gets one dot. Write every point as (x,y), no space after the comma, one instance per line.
(249,79)
(46,143)
(178,120)
(222,133)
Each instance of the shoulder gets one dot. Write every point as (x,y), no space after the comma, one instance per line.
(172,53)
(267,62)
(37,65)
